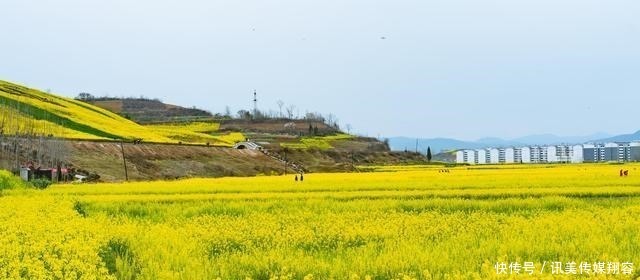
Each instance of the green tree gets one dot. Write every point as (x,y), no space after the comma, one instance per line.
(429,154)
(83,96)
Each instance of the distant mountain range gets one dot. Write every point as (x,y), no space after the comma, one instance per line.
(622,138)
(443,144)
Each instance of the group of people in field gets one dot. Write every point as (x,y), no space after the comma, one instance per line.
(443,171)
(624,173)
(301,177)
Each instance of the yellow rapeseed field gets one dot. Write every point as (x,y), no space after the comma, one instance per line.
(29,111)
(197,132)
(317,142)
(72,114)
(398,223)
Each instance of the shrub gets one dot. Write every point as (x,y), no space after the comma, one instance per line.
(41,183)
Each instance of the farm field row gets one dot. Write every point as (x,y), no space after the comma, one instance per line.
(400,223)
(25,110)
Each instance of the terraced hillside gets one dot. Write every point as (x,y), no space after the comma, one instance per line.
(145,111)
(30,111)
(64,117)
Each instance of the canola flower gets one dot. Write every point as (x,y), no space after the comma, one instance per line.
(317,142)
(44,238)
(73,114)
(197,132)
(17,123)
(403,223)
(25,110)
(202,127)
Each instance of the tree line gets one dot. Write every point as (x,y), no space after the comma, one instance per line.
(284,111)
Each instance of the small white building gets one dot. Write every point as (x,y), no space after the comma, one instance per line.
(24,174)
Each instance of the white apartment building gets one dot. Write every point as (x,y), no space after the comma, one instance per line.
(601,152)
(509,155)
(494,156)
(482,156)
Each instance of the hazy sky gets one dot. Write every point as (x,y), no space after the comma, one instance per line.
(450,68)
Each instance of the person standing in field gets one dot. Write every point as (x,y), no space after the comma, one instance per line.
(621,172)
(301,177)
(296,177)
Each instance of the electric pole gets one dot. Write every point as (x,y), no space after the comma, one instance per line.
(15,151)
(285,161)
(124,161)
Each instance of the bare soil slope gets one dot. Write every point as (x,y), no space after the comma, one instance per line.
(158,161)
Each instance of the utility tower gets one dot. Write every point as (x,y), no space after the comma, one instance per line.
(255,104)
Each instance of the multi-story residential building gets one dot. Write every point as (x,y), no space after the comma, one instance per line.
(461,156)
(517,155)
(538,154)
(482,156)
(494,156)
(600,152)
(525,152)
(551,154)
(509,155)
(618,152)
(471,157)
(577,154)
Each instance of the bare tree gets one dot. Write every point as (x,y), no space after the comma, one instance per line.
(280,104)
(348,127)
(290,111)
(330,119)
